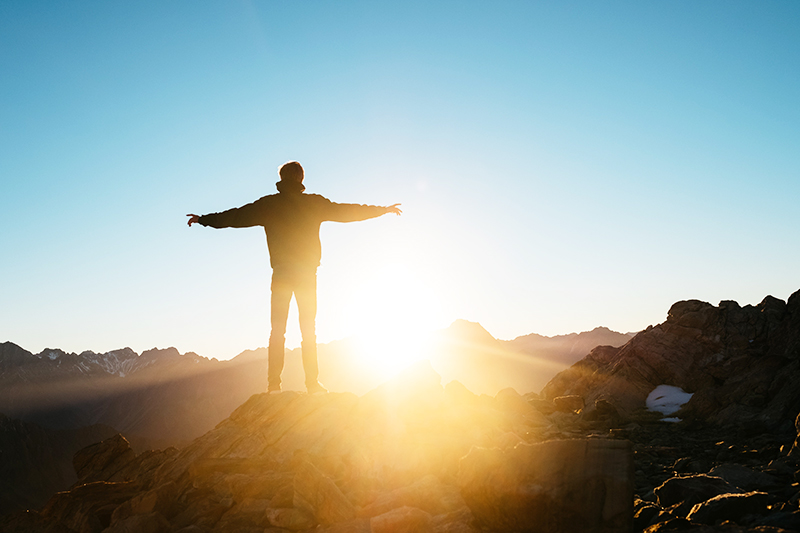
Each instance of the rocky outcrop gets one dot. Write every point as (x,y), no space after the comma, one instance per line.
(741,363)
(387,461)
(113,460)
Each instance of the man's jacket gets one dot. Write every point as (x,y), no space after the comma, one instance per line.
(291,221)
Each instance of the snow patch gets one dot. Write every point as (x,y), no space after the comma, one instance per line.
(667,399)
(53,356)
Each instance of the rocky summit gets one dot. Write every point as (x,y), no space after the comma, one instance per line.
(411,455)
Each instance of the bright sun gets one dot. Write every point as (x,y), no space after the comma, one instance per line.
(393,314)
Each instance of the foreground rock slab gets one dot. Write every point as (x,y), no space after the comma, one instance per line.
(557,486)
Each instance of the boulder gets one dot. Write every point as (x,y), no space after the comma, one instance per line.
(729,507)
(555,486)
(104,461)
(744,478)
(687,491)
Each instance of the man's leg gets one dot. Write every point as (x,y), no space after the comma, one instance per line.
(279,312)
(306,295)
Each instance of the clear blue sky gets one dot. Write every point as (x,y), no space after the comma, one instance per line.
(561,165)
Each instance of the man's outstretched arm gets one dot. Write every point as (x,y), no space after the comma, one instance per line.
(238,217)
(356,212)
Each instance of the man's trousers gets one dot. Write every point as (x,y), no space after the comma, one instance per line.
(302,282)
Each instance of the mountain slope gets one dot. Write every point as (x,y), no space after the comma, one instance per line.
(159,395)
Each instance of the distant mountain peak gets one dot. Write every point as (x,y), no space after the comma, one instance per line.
(469,331)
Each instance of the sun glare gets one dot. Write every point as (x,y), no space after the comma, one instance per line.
(394,315)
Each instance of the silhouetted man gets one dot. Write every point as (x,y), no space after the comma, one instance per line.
(291,220)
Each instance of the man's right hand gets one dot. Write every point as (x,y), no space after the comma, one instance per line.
(193,219)
(394,209)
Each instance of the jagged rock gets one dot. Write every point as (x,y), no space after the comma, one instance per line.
(113,460)
(729,507)
(88,508)
(401,520)
(104,460)
(741,363)
(555,486)
(318,494)
(690,490)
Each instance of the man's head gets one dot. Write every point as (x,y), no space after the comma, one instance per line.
(291,171)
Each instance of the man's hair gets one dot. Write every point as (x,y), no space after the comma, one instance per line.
(291,171)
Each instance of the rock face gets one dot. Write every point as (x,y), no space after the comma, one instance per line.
(552,487)
(387,461)
(741,363)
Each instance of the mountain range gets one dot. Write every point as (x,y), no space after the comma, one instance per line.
(162,397)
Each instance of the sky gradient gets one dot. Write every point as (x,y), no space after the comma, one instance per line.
(561,165)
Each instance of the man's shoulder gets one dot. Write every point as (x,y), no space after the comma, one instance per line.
(316,198)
